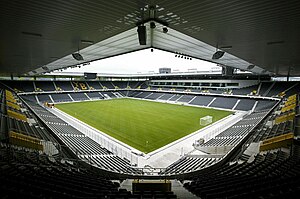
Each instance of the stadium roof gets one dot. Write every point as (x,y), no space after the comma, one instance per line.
(44,34)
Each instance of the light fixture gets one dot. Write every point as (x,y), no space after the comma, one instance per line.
(251,66)
(142,34)
(45,68)
(165,30)
(225,47)
(77,56)
(83,41)
(218,54)
(152,25)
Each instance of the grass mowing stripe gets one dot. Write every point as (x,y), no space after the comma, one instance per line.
(144,125)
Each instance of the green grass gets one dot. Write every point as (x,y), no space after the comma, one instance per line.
(141,124)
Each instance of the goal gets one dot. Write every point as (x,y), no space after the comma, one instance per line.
(206,120)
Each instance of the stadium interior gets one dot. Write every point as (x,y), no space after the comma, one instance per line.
(252,153)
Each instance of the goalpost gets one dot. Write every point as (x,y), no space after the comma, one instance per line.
(206,120)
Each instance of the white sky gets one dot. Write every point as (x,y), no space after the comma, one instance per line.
(144,61)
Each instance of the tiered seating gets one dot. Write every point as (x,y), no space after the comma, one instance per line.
(266,177)
(111,163)
(230,137)
(18,122)
(293,89)
(29,175)
(94,85)
(245,104)
(94,95)
(233,135)
(212,101)
(64,85)
(202,100)
(44,98)
(223,102)
(166,96)
(135,85)
(28,129)
(278,124)
(29,98)
(83,146)
(222,141)
(279,87)
(143,85)
(79,96)
(186,98)
(44,85)
(154,96)
(109,94)
(265,105)
(219,102)
(188,164)
(61,97)
(107,85)
(13,108)
(265,88)
(132,93)
(80,86)
(124,93)
(21,86)
(174,97)
(119,84)
(245,91)
(142,94)
(235,131)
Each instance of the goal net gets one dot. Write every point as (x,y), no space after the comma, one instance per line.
(206,120)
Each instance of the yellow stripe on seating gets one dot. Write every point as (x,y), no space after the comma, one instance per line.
(288,108)
(12,105)
(284,118)
(16,115)
(279,141)
(25,141)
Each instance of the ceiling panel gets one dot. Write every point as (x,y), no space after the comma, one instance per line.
(38,33)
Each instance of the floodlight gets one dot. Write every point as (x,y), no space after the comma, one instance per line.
(142,34)
(218,55)
(77,56)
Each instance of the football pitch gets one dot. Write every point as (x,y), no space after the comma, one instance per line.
(142,124)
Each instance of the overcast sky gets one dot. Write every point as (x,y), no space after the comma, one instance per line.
(144,61)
